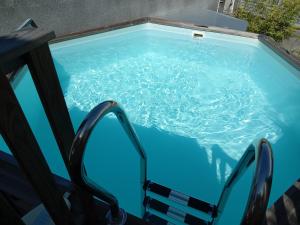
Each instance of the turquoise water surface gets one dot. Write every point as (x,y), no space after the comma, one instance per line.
(196,105)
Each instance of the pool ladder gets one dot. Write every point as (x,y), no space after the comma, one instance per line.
(165,206)
(159,211)
(78,173)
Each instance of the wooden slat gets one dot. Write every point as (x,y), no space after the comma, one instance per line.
(12,66)
(8,215)
(14,184)
(18,43)
(19,137)
(286,210)
(47,84)
(99,209)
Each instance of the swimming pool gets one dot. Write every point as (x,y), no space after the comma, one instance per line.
(196,105)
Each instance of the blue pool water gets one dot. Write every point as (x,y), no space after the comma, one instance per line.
(196,105)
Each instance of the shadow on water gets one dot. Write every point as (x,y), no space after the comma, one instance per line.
(64,77)
(221,159)
(286,160)
(178,162)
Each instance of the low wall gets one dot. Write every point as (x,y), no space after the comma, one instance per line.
(69,16)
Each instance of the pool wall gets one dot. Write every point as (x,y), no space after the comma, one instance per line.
(267,41)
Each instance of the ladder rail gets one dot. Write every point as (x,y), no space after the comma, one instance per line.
(79,145)
(258,198)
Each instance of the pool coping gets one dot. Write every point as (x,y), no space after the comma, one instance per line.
(268,41)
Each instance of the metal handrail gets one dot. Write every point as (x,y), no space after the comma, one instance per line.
(256,207)
(78,149)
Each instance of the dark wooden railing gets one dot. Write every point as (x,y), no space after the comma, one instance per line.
(30,47)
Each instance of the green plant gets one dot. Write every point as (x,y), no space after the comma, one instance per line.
(269,18)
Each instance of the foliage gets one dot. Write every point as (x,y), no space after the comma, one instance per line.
(267,17)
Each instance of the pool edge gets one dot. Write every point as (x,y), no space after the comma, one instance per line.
(269,42)
(154,20)
(277,49)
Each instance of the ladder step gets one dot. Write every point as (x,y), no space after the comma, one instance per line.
(156,220)
(173,212)
(181,198)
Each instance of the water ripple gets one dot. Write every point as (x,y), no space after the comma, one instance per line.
(185,97)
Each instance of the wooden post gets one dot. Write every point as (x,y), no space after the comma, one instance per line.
(20,139)
(14,127)
(48,87)
(30,46)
